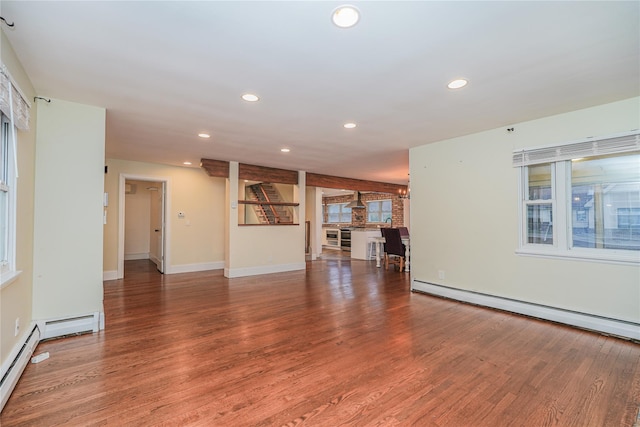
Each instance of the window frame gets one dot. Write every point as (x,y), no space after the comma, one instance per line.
(8,270)
(379,202)
(561,206)
(527,202)
(342,206)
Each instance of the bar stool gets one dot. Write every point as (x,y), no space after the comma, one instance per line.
(371,248)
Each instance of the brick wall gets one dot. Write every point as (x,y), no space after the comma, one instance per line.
(359,216)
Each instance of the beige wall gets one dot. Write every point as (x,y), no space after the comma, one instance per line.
(137,230)
(255,249)
(67,262)
(16,298)
(195,241)
(464,191)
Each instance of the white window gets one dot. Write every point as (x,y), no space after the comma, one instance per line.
(7,201)
(582,200)
(14,115)
(338,213)
(379,211)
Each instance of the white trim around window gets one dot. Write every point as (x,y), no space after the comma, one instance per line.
(552,222)
(341,210)
(376,212)
(8,184)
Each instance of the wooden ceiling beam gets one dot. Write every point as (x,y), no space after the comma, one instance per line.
(215,168)
(328,181)
(220,169)
(265,174)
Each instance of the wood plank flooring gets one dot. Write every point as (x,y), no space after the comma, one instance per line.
(341,344)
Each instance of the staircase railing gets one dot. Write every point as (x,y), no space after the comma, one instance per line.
(267,205)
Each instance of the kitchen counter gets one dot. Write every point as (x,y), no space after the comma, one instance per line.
(360,238)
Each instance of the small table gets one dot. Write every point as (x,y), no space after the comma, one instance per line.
(379,241)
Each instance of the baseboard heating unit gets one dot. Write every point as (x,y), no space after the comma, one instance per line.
(73,325)
(608,326)
(15,365)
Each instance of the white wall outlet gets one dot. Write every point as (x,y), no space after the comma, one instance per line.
(441,274)
(17,330)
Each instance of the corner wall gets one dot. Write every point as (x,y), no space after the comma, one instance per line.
(464,212)
(196,242)
(16,298)
(67,261)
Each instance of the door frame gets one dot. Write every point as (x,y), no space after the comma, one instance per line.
(166,229)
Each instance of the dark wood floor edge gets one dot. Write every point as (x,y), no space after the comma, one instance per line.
(530,304)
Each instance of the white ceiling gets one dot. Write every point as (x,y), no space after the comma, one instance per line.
(166,71)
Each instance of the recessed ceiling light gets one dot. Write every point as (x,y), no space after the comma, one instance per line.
(457,84)
(249,97)
(187,163)
(285,150)
(349,125)
(204,135)
(345,16)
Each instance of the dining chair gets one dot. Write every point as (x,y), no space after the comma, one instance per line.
(395,250)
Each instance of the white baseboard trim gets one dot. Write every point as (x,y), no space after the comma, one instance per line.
(154,259)
(17,360)
(110,275)
(190,268)
(592,322)
(263,269)
(92,322)
(134,256)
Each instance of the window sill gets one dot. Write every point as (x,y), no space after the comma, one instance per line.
(9,278)
(582,255)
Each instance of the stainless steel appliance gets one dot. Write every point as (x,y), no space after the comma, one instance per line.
(345,239)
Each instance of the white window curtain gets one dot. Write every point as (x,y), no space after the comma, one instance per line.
(12,102)
(623,143)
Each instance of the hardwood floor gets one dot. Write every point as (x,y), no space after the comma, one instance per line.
(341,344)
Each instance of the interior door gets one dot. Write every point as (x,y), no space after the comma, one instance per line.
(159,230)
(156,221)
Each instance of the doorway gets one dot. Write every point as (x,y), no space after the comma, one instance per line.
(142,225)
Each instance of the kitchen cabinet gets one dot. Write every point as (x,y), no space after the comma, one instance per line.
(360,243)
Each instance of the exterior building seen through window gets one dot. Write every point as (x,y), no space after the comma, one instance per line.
(582,200)
(605,202)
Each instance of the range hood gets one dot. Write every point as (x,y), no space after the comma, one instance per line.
(356,204)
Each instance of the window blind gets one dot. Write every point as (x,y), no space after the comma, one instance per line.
(12,101)
(623,143)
